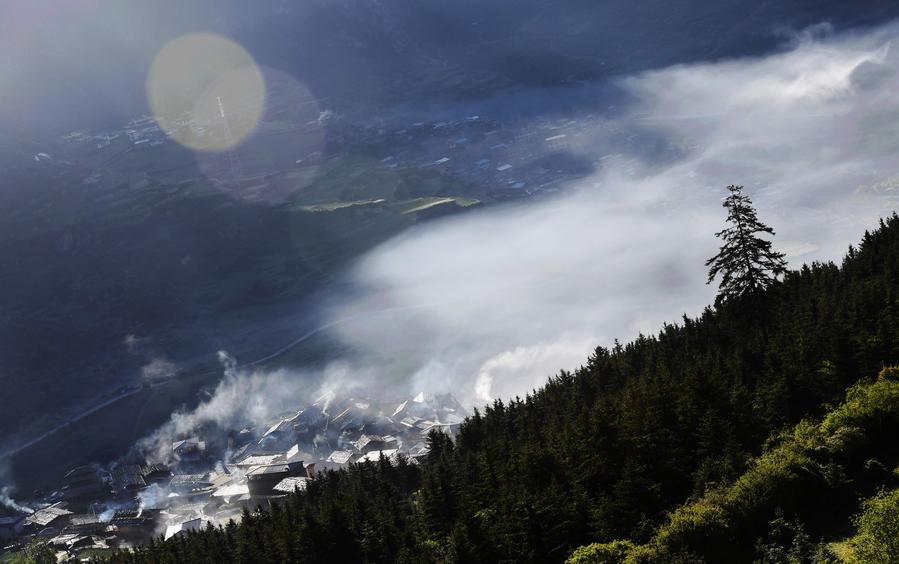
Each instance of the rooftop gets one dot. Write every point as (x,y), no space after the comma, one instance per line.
(270,469)
(288,485)
(258,460)
(45,516)
(189,480)
(192,525)
(340,456)
(232,490)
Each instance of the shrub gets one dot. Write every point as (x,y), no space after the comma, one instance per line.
(602,553)
(877,540)
(864,403)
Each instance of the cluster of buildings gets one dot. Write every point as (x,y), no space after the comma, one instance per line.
(210,481)
(514,161)
(484,157)
(138,132)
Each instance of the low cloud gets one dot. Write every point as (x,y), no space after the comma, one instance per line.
(491,303)
(476,304)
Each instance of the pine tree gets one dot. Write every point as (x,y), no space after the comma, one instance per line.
(746,262)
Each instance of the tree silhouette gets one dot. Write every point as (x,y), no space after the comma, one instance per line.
(746,262)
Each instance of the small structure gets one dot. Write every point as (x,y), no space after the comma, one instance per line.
(261,480)
(289,485)
(156,474)
(308,422)
(190,483)
(231,491)
(134,525)
(369,443)
(69,541)
(257,460)
(82,483)
(50,516)
(128,478)
(342,457)
(84,524)
(128,518)
(182,528)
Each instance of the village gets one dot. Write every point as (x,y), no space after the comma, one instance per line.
(210,480)
(499,158)
(206,478)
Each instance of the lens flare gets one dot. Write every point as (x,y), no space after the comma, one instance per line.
(206,92)
(283,156)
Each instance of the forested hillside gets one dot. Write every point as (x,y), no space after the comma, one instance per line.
(663,444)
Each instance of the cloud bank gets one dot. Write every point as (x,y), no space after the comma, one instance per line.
(492,303)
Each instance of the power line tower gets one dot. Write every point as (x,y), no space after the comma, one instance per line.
(236,168)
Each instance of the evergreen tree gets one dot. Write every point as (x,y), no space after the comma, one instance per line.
(746,262)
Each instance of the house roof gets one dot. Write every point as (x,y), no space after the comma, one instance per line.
(156,469)
(273,428)
(128,476)
(232,490)
(47,515)
(192,525)
(268,469)
(188,444)
(340,456)
(258,460)
(375,455)
(288,485)
(364,440)
(189,480)
(84,519)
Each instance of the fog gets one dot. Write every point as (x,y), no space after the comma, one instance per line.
(490,303)
(511,295)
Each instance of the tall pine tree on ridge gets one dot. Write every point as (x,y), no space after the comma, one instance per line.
(746,262)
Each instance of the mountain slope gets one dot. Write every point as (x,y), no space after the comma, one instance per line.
(604,453)
(806,485)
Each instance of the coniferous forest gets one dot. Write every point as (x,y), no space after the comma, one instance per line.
(765,430)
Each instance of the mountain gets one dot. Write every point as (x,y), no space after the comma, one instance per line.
(362,56)
(746,433)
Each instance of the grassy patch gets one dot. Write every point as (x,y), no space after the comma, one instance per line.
(421,204)
(334,206)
